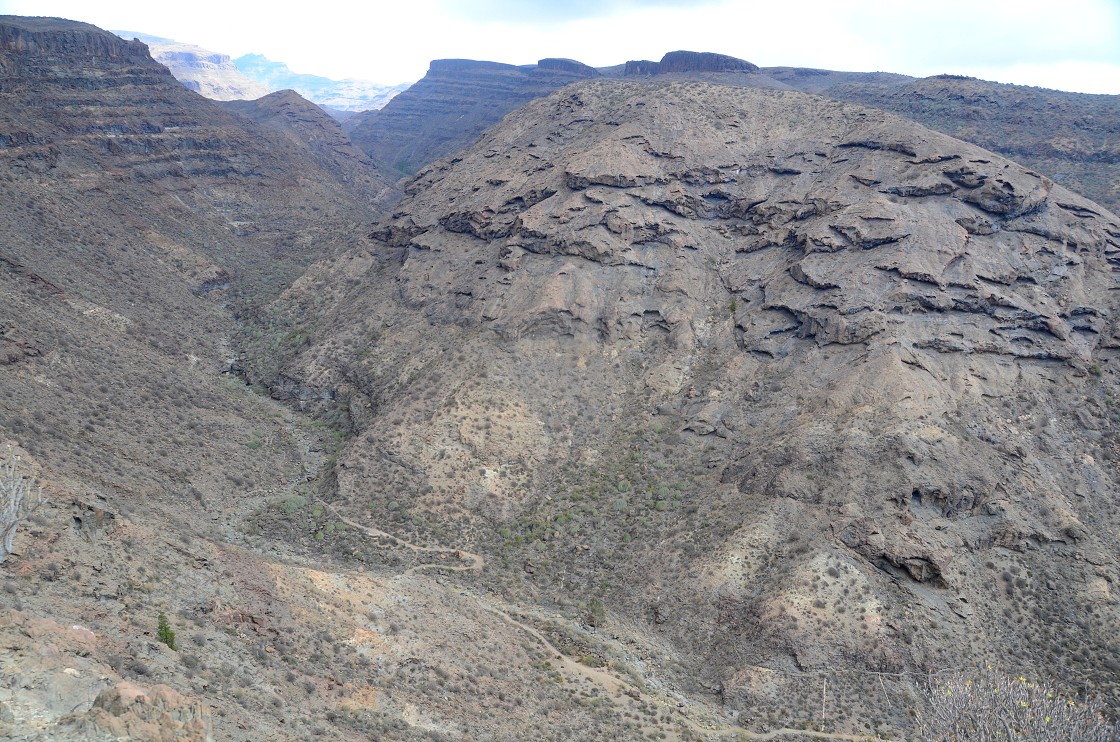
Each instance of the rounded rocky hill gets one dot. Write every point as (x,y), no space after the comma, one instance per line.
(782,388)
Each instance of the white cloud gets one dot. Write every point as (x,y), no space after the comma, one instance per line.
(1091,77)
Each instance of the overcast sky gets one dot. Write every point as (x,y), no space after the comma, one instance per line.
(1064,44)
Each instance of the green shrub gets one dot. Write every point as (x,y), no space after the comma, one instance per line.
(164,632)
(292,503)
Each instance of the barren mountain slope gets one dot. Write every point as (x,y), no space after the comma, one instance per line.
(133,211)
(787,393)
(305,126)
(77,100)
(1072,137)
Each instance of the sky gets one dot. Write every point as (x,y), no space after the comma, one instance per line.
(1064,44)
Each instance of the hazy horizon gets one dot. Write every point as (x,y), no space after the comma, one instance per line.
(1029,42)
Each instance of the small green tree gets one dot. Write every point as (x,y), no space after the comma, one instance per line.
(19,495)
(165,633)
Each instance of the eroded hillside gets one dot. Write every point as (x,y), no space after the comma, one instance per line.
(1072,137)
(785,388)
(136,213)
(667,409)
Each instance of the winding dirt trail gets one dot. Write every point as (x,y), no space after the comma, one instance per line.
(619,690)
(476,562)
(600,677)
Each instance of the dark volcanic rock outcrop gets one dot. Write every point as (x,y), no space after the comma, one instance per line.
(640,68)
(1073,138)
(682,61)
(570,66)
(455,102)
(802,388)
(57,39)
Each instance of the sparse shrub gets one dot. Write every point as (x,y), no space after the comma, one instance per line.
(989,705)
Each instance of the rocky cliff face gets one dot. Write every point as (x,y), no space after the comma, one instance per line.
(207,73)
(55,39)
(792,389)
(683,61)
(454,103)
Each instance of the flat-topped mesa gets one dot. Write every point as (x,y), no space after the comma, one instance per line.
(684,61)
(50,37)
(441,67)
(570,66)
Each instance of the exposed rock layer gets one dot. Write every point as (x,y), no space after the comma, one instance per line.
(787,382)
(1015,121)
(1073,138)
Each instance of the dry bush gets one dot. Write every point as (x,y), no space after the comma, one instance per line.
(988,705)
(19,495)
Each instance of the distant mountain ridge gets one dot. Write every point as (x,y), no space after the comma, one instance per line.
(220,77)
(342,95)
(458,99)
(207,73)
(455,102)
(1070,137)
